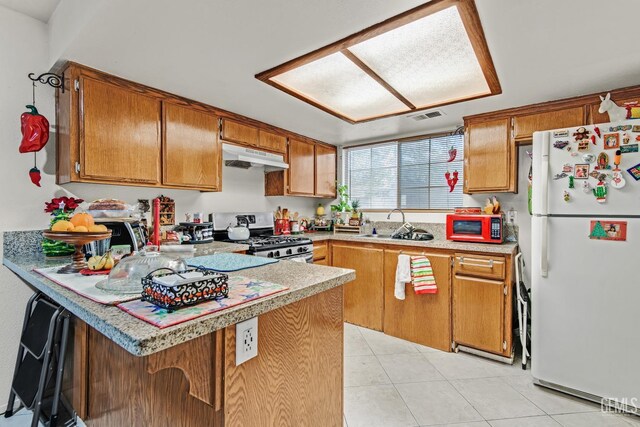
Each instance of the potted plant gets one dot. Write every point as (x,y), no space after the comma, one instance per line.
(343,204)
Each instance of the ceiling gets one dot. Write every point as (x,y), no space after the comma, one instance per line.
(38,9)
(210,51)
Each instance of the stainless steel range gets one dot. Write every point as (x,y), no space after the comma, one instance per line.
(262,241)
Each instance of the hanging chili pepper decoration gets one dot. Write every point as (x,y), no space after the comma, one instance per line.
(35,130)
(452,154)
(34,172)
(451,181)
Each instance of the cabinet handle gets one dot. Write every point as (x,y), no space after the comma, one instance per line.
(489,263)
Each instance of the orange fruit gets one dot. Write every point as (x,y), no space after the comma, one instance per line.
(80,229)
(62,225)
(98,228)
(83,219)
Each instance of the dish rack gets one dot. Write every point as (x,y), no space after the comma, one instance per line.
(211,285)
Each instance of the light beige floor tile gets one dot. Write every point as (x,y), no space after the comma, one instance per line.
(456,366)
(594,419)
(363,370)
(424,349)
(376,406)
(550,401)
(409,368)
(471,424)
(351,329)
(385,344)
(494,399)
(355,344)
(543,421)
(437,402)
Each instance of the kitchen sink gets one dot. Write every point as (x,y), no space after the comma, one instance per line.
(413,236)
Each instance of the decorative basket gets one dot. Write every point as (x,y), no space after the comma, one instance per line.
(212,285)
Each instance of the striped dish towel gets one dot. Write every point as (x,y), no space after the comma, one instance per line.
(422,276)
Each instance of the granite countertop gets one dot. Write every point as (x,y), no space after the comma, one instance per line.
(214,247)
(141,338)
(437,243)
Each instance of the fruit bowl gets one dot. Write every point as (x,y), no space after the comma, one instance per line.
(77,239)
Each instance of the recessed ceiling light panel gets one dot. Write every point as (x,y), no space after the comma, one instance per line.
(432,55)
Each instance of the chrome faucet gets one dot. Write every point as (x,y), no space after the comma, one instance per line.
(399,210)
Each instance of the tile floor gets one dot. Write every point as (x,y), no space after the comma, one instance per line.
(390,382)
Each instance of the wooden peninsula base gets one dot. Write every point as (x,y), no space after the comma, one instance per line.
(296,379)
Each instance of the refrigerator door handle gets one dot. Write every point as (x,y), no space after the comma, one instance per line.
(544,247)
(544,168)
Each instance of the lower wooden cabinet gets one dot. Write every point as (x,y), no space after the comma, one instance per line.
(424,319)
(321,254)
(363,298)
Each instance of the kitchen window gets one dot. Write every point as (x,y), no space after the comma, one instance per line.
(405,174)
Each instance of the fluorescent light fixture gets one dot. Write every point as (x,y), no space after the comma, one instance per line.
(429,56)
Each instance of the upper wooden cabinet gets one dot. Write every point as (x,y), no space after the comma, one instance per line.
(525,126)
(272,141)
(240,133)
(191,153)
(119,134)
(620,99)
(489,157)
(326,158)
(302,167)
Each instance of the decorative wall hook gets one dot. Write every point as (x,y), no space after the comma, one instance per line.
(50,79)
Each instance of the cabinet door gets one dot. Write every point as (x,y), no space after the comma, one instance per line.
(301,167)
(426,318)
(272,141)
(489,157)
(191,151)
(239,133)
(363,298)
(478,313)
(597,117)
(119,134)
(326,171)
(524,126)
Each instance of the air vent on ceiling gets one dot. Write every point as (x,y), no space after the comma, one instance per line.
(428,115)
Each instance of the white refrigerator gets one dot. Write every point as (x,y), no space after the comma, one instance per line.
(585,276)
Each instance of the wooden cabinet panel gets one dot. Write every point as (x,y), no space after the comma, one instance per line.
(272,141)
(489,157)
(524,126)
(490,267)
(426,318)
(320,252)
(363,298)
(301,167)
(326,170)
(119,134)
(596,117)
(478,313)
(240,133)
(191,152)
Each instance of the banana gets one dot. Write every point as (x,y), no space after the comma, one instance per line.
(104,262)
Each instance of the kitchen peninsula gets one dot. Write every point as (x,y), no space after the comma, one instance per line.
(124,371)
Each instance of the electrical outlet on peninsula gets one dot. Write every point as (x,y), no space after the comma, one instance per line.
(246,340)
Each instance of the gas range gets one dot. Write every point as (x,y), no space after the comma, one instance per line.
(262,242)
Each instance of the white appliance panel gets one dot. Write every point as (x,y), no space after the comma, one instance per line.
(585,313)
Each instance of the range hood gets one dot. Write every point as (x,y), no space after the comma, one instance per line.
(247,157)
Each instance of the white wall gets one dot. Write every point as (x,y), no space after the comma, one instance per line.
(24,49)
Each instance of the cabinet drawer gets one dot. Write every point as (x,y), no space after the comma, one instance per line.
(492,267)
(319,251)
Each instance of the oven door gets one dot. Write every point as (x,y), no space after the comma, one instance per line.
(307,257)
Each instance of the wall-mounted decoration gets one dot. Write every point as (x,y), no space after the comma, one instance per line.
(608,230)
(611,141)
(634,171)
(452,154)
(581,171)
(451,181)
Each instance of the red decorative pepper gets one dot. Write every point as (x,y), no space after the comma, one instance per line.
(597,131)
(451,181)
(35,130)
(34,174)
(452,154)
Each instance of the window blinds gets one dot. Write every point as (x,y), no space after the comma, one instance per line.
(407,175)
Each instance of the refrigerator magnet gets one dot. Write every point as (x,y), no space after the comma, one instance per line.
(586,187)
(581,171)
(620,128)
(562,133)
(617,181)
(601,189)
(626,138)
(584,145)
(631,148)
(634,171)
(594,173)
(588,158)
(608,230)
(603,161)
(581,133)
(635,128)
(560,176)
(571,182)
(567,168)
(611,141)
(560,144)
(566,196)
